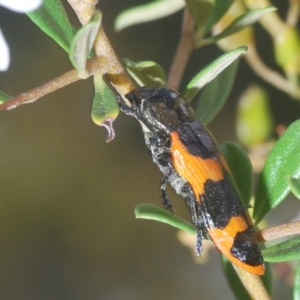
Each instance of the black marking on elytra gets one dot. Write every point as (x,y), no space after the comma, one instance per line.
(198,141)
(220,203)
(246,249)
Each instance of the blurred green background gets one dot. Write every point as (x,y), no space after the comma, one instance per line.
(67,228)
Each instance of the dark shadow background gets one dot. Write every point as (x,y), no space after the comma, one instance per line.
(67,228)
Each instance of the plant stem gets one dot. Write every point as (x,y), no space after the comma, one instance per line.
(183,53)
(111,65)
(293,13)
(279,231)
(253,284)
(42,90)
(95,65)
(83,9)
(269,75)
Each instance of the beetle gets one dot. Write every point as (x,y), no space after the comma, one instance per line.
(190,160)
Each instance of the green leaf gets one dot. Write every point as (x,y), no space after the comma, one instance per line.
(147,12)
(283,160)
(241,169)
(215,94)
(238,24)
(294,184)
(237,286)
(296,288)
(83,42)
(105,108)
(210,72)
(220,8)
(151,212)
(285,251)
(200,10)
(52,18)
(4,97)
(146,73)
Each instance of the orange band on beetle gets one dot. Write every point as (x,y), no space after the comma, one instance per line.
(194,169)
(224,239)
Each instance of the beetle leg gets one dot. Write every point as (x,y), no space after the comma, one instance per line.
(165,198)
(196,218)
(198,243)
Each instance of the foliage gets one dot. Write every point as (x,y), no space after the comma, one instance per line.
(211,22)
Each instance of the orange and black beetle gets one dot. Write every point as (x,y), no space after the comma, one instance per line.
(190,160)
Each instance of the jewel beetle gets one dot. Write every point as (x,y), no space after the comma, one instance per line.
(191,162)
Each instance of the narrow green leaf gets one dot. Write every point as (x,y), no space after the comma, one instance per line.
(237,286)
(83,42)
(284,251)
(105,108)
(52,18)
(283,160)
(147,12)
(151,212)
(241,169)
(210,72)
(146,73)
(240,23)
(220,8)
(215,94)
(294,184)
(4,97)
(296,288)
(200,10)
